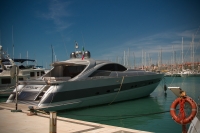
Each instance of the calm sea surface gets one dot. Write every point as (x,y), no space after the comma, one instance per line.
(147,114)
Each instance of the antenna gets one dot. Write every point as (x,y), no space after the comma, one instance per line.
(124,58)
(0,37)
(76,45)
(83,40)
(27,59)
(52,53)
(64,45)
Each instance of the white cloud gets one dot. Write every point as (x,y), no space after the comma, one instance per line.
(58,13)
(152,45)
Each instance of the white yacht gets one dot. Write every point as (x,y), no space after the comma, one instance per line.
(81,82)
(190,73)
(7,84)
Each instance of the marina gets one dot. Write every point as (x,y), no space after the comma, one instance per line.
(100,66)
(104,95)
(116,98)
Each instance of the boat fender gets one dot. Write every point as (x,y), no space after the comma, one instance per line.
(181,117)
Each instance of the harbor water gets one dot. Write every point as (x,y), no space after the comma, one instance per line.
(148,114)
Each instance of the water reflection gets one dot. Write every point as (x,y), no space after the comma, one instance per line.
(126,113)
(149,113)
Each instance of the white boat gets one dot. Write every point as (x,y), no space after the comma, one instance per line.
(78,82)
(173,74)
(7,84)
(195,124)
(189,73)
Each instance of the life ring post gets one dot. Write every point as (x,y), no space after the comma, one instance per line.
(181,118)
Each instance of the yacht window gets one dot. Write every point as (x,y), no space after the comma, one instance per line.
(120,67)
(72,71)
(100,73)
(38,73)
(6,81)
(32,74)
(106,70)
(21,67)
(20,79)
(113,67)
(42,73)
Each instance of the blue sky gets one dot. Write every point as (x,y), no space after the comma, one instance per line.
(106,28)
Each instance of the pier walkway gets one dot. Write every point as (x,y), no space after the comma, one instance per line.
(20,122)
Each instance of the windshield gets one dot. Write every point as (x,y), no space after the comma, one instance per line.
(66,71)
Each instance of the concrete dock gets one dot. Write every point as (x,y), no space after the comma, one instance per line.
(20,122)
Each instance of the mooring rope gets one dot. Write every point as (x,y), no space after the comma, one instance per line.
(7,88)
(118,91)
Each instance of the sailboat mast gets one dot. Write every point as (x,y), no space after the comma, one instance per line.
(173,60)
(12,42)
(52,54)
(27,58)
(145,59)
(129,63)
(193,52)
(124,58)
(142,59)
(182,54)
(134,59)
(0,38)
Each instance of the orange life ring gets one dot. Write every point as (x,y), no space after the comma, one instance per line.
(188,119)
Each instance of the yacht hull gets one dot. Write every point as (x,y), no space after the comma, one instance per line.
(93,93)
(99,100)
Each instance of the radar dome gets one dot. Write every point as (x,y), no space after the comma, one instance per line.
(73,55)
(87,54)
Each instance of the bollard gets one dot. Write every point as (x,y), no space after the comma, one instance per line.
(52,122)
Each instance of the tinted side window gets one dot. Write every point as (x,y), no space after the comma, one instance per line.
(72,71)
(108,67)
(100,73)
(32,74)
(106,70)
(120,67)
(20,79)
(6,81)
(113,67)
(42,73)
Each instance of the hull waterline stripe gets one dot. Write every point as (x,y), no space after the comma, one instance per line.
(89,92)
